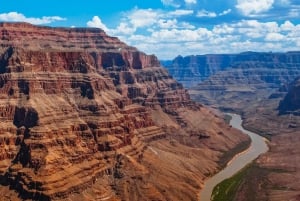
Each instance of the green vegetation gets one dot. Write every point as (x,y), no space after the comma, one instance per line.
(226,190)
(244,181)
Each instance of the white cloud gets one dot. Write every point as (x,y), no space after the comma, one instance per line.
(294,12)
(254,29)
(170,3)
(181,12)
(274,37)
(178,3)
(19,17)
(125,28)
(225,12)
(97,23)
(223,29)
(190,1)
(287,26)
(284,2)
(143,17)
(167,24)
(186,25)
(205,13)
(185,35)
(245,35)
(252,7)
(166,35)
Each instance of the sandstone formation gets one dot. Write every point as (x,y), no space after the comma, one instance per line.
(86,117)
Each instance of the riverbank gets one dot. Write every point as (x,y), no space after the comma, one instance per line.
(258,146)
(230,155)
(281,164)
(228,189)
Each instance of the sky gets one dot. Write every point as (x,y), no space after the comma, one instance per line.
(168,28)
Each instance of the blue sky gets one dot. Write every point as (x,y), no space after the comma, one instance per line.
(168,28)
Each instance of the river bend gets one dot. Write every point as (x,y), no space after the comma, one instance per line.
(257,147)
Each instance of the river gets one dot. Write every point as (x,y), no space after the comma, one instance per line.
(257,147)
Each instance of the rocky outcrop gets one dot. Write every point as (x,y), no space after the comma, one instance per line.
(291,102)
(86,117)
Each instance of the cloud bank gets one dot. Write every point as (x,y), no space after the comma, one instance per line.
(184,31)
(19,17)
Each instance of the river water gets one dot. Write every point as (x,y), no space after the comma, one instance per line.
(257,147)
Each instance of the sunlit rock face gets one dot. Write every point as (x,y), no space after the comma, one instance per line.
(79,110)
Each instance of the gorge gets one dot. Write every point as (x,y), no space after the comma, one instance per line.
(86,117)
(264,89)
(258,146)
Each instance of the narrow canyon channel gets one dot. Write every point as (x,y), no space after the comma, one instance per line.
(257,147)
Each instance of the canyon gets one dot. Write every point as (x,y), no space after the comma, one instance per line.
(231,81)
(264,89)
(278,171)
(86,117)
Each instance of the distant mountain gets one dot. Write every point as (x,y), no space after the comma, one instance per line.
(234,81)
(191,70)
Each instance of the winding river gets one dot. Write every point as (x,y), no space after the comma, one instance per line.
(257,147)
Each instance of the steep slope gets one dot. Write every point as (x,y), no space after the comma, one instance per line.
(86,117)
(191,70)
(291,102)
(236,88)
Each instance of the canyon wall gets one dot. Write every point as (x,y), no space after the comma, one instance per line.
(86,117)
(291,102)
(194,69)
(230,81)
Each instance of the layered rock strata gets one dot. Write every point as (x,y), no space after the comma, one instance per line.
(232,80)
(86,117)
(191,70)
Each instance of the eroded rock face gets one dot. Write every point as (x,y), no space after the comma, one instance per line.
(80,109)
(291,102)
(235,81)
(191,70)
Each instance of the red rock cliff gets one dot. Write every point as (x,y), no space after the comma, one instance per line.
(79,111)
